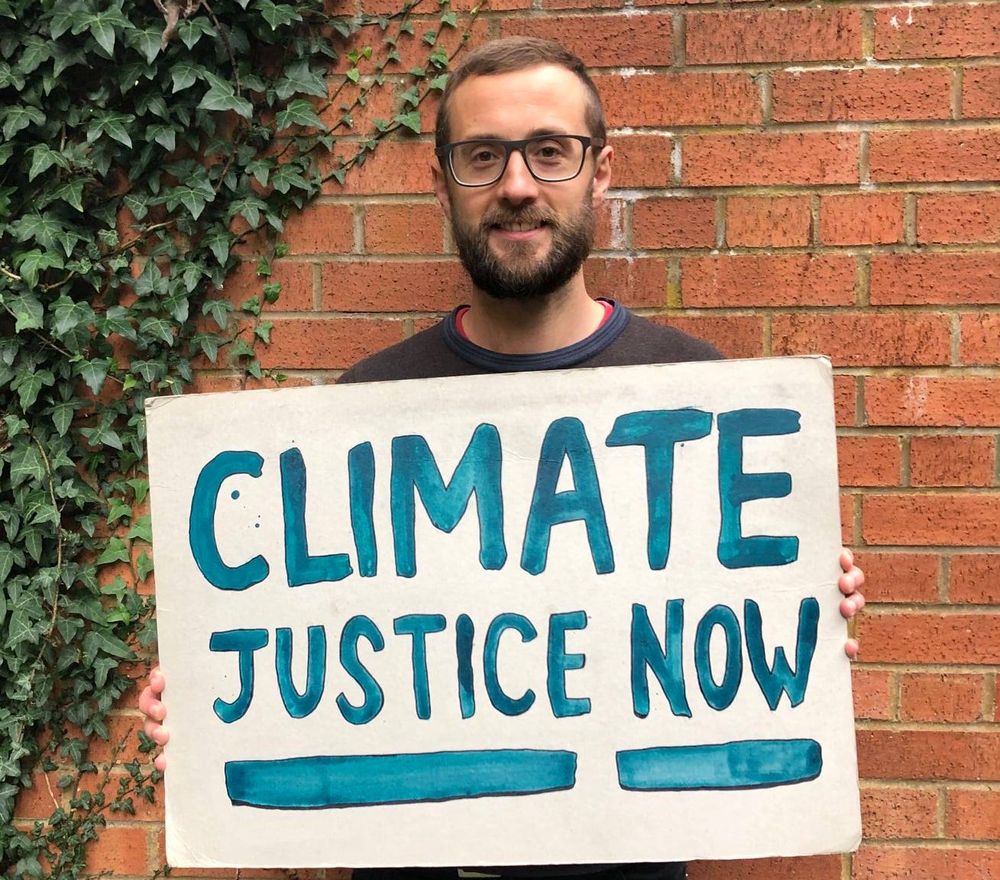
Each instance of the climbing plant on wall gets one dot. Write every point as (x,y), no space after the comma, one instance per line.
(140,143)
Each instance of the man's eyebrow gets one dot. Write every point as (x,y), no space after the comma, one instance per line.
(535,132)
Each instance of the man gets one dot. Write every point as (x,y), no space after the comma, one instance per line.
(522,164)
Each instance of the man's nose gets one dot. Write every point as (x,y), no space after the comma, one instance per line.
(517,185)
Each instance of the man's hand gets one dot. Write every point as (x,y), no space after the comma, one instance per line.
(155,712)
(850,582)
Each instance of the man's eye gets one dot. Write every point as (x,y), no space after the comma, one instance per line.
(483,155)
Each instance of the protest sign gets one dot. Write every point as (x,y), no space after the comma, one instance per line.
(581,616)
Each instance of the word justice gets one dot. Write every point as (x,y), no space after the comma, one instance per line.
(648,654)
(414,471)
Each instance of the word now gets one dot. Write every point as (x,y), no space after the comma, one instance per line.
(414,471)
(665,662)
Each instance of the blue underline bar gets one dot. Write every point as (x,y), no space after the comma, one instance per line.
(330,781)
(754,763)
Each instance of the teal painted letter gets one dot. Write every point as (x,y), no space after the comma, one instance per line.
(779,678)
(500,700)
(658,432)
(245,642)
(300,567)
(360,627)
(201,524)
(417,626)
(560,662)
(415,470)
(667,663)
(736,488)
(566,439)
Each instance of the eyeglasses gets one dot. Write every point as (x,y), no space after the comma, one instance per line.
(549,158)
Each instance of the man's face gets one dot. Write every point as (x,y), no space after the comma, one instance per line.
(520,238)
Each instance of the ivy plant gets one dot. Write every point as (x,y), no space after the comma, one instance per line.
(140,143)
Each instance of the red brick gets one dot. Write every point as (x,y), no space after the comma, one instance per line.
(327,343)
(865,339)
(953,460)
(642,160)
(118,850)
(585,4)
(144,810)
(657,99)
(845,400)
(768,280)
(959,520)
(122,729)
(929,754)
(954,218)
(295,279)
(899,577)
(770,159)
(932,401)
(861,218)
(899,812)
(975,578)
(394,287)
(42,799)
(768,222)
(868,461)
(955,697)
(981,92)
(872,697)
(912,279)
(973,814)
(395,167)
(609,225)
(673,223)
(738,37)
(958,31)
(404,229)
(736,336)
(812,868)
(980,339)
(846,518)
(862,94)
(599,40)
(634,281)
(913,638)
(380,103)
(935,155)
(320,229)
(209,382)
(915,863)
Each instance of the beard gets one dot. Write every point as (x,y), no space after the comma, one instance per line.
(517,274)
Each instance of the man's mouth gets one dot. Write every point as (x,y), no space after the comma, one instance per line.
(519,230)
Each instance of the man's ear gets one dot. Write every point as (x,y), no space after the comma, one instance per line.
(602,175)
(440,178)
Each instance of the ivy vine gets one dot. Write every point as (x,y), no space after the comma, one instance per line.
(140,143)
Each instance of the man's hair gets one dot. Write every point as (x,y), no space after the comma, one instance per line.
(519,53)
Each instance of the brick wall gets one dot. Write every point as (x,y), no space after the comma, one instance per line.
(821,178)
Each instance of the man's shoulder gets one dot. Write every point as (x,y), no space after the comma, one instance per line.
(648,342)
(424,355)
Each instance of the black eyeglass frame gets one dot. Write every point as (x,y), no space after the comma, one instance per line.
(445,152)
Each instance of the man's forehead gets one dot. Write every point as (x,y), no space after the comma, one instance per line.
(544,97)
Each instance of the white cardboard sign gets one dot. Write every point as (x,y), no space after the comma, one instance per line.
(587,616)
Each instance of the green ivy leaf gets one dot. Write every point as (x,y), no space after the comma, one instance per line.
(191,30)
(164,135)
(142,529)
(26,464)
(151,280)
(29,313)
(300,79)
(111,123)
(146,42)
(143,566)
(62,417)
(263,331)
(298,112)
(158,328)
(219,309)
(103,641)
(94,373)
(32,262)
(184,74)
(277,14)
(221,95)
(18,117)
(410,120)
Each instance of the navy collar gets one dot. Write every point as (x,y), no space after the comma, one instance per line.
(561,358)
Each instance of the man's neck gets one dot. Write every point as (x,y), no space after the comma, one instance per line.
(518,327)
